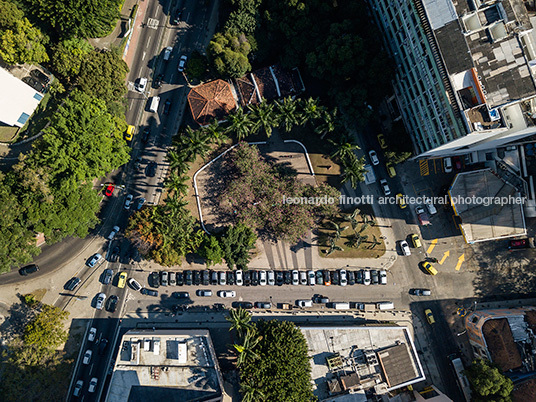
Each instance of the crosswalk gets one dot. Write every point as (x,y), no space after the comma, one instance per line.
(424,167)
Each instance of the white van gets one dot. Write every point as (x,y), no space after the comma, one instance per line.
(385,306)
(341,306)
(155,101)
(304,303)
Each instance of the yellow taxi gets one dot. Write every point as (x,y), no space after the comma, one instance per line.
(391,171)
(400,201)
(415,240)
(429,316)
(381,141)
(429,268)
(129,133)
(122,280)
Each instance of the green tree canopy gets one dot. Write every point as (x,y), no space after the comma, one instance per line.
(487,382)
(69,55)
(236,244)
(46,330)
(20,41)
(229,54)
(210,250)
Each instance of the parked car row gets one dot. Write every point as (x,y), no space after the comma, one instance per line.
(341,277)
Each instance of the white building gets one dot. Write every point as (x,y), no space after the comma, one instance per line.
(18,100)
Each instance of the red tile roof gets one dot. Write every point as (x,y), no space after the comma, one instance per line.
(501,345)
(213,100)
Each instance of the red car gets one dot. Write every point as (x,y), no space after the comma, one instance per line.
(109,190)
(457,163)
(517,244)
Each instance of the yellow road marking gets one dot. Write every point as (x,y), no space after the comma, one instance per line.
(434,242)
(461,259)
(447,253)
(424,167)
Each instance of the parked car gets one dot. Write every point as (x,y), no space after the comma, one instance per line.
(114,255)
(204,293)
(128,201)
(222,280)
(242,304)
(415,240)
(103,344)
(303,278)
(157,82)
(92,334)
(109,190)
(197,277)
(359,276)
(101,297)
(254,278)
(145,135)
(141,84)
(171,279)
(343,280)
(383,277)
(167,107)
(149,292)
(279,278)
(213,278)
(311,277)
(247,278)
(78,388)
(287,277)
(262,278)
(108,274)
(154,279)
(351,277)
(295,277)
(72,284)
(304,303)
(95,258)
(182,295)
(93,385)
(188,277)
(111,304)
(429,268)
(385,187)
(265,305)
(182,63)
(400,201)
(238,277)
(87,357)
(366,277)
(405,248)
(320,299)
(327,278)
(167,53)
(271,278)
(122,280)
(230,278)
(140,203)
(335,277)
(112,234)
(179,277)
(421,292)
(374,277)
(205,277)
(374,157)
(431,208)
(447,165)
(319,277)
(381,141)
(429,316)
(134,284)
(227,293)
(164,278)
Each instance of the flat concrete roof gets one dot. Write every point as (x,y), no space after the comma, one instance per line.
(18,100)
(165,365)
(383,357)
(478,199)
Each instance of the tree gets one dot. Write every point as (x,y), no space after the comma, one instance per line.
(288,114)
(214,132)
(240,320)
(211,251)
(345,149)
(311,110)
(229,54)
(20,41)
(328,123)
(263,117)
(77,18)
(197,65)
(194,143)
(240,124)
(46,330)
(69,55)
(236,244)
(488,383)
(394,158)
(354,171)
(103,75)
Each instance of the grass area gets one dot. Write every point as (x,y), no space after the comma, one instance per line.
(367,248)
(8,134)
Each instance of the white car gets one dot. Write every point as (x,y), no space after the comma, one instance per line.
(383,277)
(134,284)
(405,247)
(167,53)
(431,208)
(447,165)
(182,63)
(262,278)
(87,357)
(385,187)
(304,303)
(303,278)
(112,234)
(222,279)
(238,278)
(128,201)
(93,384)
(141,85)
(78,387)
(312,277)
(271,278)
(101,297)
(92,334)
(295,277)
(374,157)
(366,277)
(227,293)
(343,280)
(94,260)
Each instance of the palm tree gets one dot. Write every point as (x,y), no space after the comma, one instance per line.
(240,124)
(177,162)
(352,218)
(375,242)
(246,352)
(328,123)
(354,172)
(355,240)
(345,148)
(311,110)
(177,183)
(196,142)
(338,230)
(264,117)
(214,131)
(251,394)
(175,204)
(240,320)
(333,247)
(288,114)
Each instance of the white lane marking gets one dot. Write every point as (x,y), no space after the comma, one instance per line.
(148,41)
(143,56)
(139,72)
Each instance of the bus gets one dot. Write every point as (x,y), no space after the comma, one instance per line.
(462,380)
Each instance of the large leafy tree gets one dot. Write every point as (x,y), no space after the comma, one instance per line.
(46,330)
(20,41)
(487,382)
(236,243)
(210,250)
(69,55)
(229,53)
(81,18)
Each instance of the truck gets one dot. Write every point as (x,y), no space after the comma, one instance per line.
(422,216)
(370,177)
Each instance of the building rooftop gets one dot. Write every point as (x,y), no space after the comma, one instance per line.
(501,345)
(476,198)
(213,100)
(19,100)
(165,365)
(361,359)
